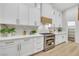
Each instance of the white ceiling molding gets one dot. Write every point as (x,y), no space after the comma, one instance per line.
(70,7)
(53,7)
(63,6)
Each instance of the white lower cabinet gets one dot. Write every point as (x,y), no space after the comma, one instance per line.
(9,48)
(60,38)
(38,44)
(2,51)
(22,47)
(26,47)
(32,45)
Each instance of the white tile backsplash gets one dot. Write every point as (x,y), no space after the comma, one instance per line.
(21,29)
(0,28)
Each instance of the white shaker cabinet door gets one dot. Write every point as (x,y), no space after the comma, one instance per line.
(47,10)
(26,47)
(34,16)
(58,39)
(12,50)
(23,14)
(38,44)
(58,19)
(10,13)
(65,37)
(1,13)
(2,51)
(9,48)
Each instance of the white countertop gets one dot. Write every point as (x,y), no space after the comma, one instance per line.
(20,37)
(27,36)
(59,32)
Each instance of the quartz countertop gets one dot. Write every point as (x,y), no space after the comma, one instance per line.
(20,37)
(62,32)
(27,36)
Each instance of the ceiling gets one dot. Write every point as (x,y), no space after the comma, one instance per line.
(63,6)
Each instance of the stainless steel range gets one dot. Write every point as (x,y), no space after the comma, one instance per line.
(49,41)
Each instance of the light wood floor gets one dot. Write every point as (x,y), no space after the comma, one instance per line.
(65,49)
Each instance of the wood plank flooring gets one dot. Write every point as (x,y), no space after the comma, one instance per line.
(65,49)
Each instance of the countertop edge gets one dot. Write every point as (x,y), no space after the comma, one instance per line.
(19,37)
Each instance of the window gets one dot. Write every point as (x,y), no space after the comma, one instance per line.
(71,23)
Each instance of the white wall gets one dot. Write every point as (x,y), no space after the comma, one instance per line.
(77,26)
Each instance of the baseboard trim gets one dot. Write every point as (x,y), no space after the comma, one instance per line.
(36,53)
(60,43)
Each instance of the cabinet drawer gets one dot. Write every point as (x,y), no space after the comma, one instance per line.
(8,42)
(2,50)
(38,48)
(9,50)
(58,39)
(39,40)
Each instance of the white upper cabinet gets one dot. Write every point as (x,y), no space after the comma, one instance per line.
(23,14)
(20,14)
(58,19)
(1,13)
(29,15)
(10,13)
(34,16)
(47,10)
